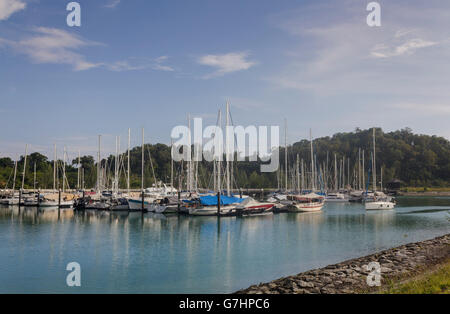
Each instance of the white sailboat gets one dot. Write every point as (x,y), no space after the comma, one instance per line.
(380,200)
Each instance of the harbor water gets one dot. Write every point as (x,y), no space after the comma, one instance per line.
(153,253)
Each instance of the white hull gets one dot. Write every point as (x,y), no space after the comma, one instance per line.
(305,207)
(379,205)
(210,210)
(164,209)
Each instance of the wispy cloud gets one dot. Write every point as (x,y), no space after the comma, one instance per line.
(226,63)
(351,58)
(56,46)
(406,48)
(112,4)
(133,64)
(9,7)
(51,45)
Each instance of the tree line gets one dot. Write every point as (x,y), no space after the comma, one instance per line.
(415,159)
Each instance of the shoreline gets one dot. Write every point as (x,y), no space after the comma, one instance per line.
(427,193)
(350,276)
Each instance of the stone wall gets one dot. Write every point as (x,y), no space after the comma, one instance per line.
(350,276)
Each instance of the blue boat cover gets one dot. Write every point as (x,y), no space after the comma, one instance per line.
(211,200)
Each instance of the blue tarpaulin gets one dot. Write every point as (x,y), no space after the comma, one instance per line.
(211,200)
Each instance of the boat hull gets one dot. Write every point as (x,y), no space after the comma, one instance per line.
(305,207)
(379,205)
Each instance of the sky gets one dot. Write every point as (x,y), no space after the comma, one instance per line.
(140,63)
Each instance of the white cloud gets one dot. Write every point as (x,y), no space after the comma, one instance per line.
(133,64)
(51,45)
(56,46)
(406,48)
(226,63)
(343,56)
(9,7)
(112,4)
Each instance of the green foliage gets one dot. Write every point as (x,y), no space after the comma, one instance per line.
(417,160)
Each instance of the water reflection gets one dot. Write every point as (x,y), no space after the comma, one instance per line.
(135,252)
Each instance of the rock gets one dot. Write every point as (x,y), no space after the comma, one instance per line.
(305,284)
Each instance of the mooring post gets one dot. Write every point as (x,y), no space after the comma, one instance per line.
(179,205)
(39,198)
(240,192)
(218,204)
(142,199)
(59,199)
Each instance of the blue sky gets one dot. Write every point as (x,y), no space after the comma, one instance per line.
(138,63)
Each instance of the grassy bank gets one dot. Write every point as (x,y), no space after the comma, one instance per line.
(434,281)
(425,189)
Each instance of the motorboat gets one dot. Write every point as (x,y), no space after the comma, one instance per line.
(311,202)
(336,197)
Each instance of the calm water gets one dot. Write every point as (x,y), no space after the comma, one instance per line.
(157,254)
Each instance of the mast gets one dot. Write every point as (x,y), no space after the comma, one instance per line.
(335,173)
(189,164)
(303,176)
(227,149)
(381,179)
(79,171)
(171,163)
(363,171)
(99,161)
(359,169)
(348,172)
(54,168)
(128,162)
(343,172)
(116,168)
(15,174)
(34,178)
(64,170)
(285,154)
(24,165)
(313,187)
(298,173)
(374,165)
(219,183)
(142,162)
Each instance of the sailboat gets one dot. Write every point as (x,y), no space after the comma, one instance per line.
(379,200)
(14,199)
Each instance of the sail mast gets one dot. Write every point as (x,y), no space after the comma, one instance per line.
(313,179)
(24,165)
(285,155)
(219,183)
(99,161)
(227,149)
(374,165)
(128,162)
(142,162)
(64,170)
(298,173)
(15,174)
(34,177)
(54,168)
(171,163)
